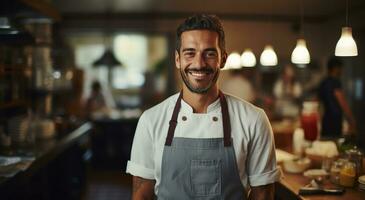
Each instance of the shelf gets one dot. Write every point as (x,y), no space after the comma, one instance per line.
(8,69)
(30,9)
(12,104)
(43,8)
(12,67)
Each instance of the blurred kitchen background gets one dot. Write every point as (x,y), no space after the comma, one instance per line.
(76,75)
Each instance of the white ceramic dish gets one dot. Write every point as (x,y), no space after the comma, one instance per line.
(297,165)
(315,173)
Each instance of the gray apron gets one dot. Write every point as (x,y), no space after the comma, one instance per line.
(200,168)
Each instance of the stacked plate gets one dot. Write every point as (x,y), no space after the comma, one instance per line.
(18,127)
(362,182)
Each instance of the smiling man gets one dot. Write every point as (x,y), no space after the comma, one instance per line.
(201,143)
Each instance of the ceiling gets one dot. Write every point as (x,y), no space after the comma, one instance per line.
(315,9)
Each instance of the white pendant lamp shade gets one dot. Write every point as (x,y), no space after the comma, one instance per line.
(248,59)
(346,45)
(300,54)
(233,61)
(268,56)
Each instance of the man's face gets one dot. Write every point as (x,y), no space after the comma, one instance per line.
(199,60)
(338,71)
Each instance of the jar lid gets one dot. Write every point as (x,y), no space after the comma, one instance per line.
(354,151)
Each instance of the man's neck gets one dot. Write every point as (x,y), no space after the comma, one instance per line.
(200,102)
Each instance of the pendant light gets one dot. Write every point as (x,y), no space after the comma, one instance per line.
(248,59)
(108,58)
(300,54)
(346,45)
(268,56)
(233,61)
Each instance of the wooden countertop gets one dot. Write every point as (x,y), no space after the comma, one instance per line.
(289,186)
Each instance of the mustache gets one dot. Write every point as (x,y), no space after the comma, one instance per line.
(200,69)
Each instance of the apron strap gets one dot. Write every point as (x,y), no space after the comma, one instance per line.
(225,119)
(173,121)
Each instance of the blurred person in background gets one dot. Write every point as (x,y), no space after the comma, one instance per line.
(96,101)
(287,92)
(334,102)
(237,85)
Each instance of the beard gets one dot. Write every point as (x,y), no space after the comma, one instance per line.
(199,89)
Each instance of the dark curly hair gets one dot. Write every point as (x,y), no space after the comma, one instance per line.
(201,22)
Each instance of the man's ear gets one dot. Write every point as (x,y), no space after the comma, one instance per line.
(177,59)
(224,59)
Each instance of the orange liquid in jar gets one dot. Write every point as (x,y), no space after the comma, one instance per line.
(347,175)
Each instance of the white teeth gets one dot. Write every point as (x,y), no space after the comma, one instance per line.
(198,74)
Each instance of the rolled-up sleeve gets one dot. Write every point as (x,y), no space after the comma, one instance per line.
(261,159)
(141,162)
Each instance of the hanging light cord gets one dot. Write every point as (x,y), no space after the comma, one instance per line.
(270,22)
(347,13)
(301,18)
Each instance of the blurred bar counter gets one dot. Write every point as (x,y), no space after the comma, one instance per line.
(50,169)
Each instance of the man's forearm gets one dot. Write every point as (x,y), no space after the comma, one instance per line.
(344,105)
(264,192)
(143,189)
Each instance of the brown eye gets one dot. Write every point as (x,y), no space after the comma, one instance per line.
(189,54)
(211,54)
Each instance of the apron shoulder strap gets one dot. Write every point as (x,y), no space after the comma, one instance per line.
(225,119)
(173,121)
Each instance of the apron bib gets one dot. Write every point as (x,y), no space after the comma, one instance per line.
(200,168)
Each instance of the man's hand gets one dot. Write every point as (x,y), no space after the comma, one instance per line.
(143,189)
(263,192)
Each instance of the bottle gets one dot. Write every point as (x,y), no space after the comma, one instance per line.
(309,120)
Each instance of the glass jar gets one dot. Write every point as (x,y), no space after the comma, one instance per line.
(335,172)
(348,174)
(355,155)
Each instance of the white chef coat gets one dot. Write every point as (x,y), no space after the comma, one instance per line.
(252,135)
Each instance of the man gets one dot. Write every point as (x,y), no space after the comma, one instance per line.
(334,102)
(200,143)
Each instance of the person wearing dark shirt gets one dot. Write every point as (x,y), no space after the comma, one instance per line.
(334,102)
